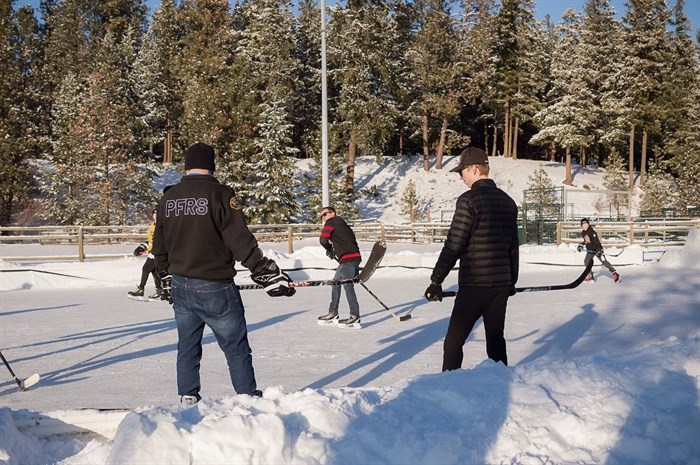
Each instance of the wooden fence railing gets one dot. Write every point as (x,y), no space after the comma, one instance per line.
(645,233)
(621,234)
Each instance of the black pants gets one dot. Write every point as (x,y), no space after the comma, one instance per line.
(149,268)
(471,304)
(601,257)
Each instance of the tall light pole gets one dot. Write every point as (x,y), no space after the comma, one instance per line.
(324,112)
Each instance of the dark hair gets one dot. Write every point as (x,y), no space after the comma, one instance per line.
(330,209)
(585,220)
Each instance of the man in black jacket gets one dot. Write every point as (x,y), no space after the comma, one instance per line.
(594,248)
(483,236)
(200,234)
(340,244)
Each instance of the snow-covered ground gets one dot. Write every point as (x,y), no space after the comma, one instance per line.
(603,374)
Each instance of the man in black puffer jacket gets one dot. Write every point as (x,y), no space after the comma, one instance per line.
(483,236)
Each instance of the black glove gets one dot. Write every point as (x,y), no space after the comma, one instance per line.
(329,254)
(166,281)
(434,293)
(580,248)
(140,250)
(275,281)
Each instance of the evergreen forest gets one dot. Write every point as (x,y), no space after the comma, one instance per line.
(97,96)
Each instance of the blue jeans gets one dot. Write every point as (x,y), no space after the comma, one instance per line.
(346,270)
(197,302)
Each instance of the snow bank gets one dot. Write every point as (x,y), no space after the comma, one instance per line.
(687,257)
(615,409)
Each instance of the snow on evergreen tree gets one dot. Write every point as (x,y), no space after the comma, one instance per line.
(262,169)
(520,81)
(541,194)
(614,181)
(601,55)
(362,52)
(95,180)
(433,57)
(19,118)
(657,193)
(411,203)
(477,38)
(682,122)
(646,66)
(203,66)
(157,80)
(567,121)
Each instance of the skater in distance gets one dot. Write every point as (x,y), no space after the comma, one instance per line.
(591,244)
(149,267)
(200,234)
(339,241)
(483,236)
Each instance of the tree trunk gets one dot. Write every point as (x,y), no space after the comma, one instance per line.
(401,134)
(642,167)
(569,180)
(494,149)
(514,148)
(441,146)
(552,151)
(350,174)
(631,167)
(486,137)
(506,134)
(426,142)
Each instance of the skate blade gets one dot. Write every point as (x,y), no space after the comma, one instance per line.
(135,297)
(350,326)
(326,322)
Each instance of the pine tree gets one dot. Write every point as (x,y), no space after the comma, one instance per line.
(362,51)
(541,194)
(682,122)
(645,69)
(432,57)
(268,77)
(157,81)
(657,193)
(411,202)
(601,52)
(614,180)
(567,119)
(520,79)
(476,45)
(203,67)
(18,117)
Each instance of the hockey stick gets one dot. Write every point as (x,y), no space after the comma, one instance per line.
(604,254)
(375,258)
(398,318)
(23,385)
(555,287)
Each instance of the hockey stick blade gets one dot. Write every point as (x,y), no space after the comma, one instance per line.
(29,382)
(556,287)
(375,258)
(23,385)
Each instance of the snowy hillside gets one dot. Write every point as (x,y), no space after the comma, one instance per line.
(439,189)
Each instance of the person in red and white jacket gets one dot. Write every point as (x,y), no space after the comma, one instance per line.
(339,241)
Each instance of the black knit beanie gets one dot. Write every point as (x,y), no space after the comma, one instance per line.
(200,156)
